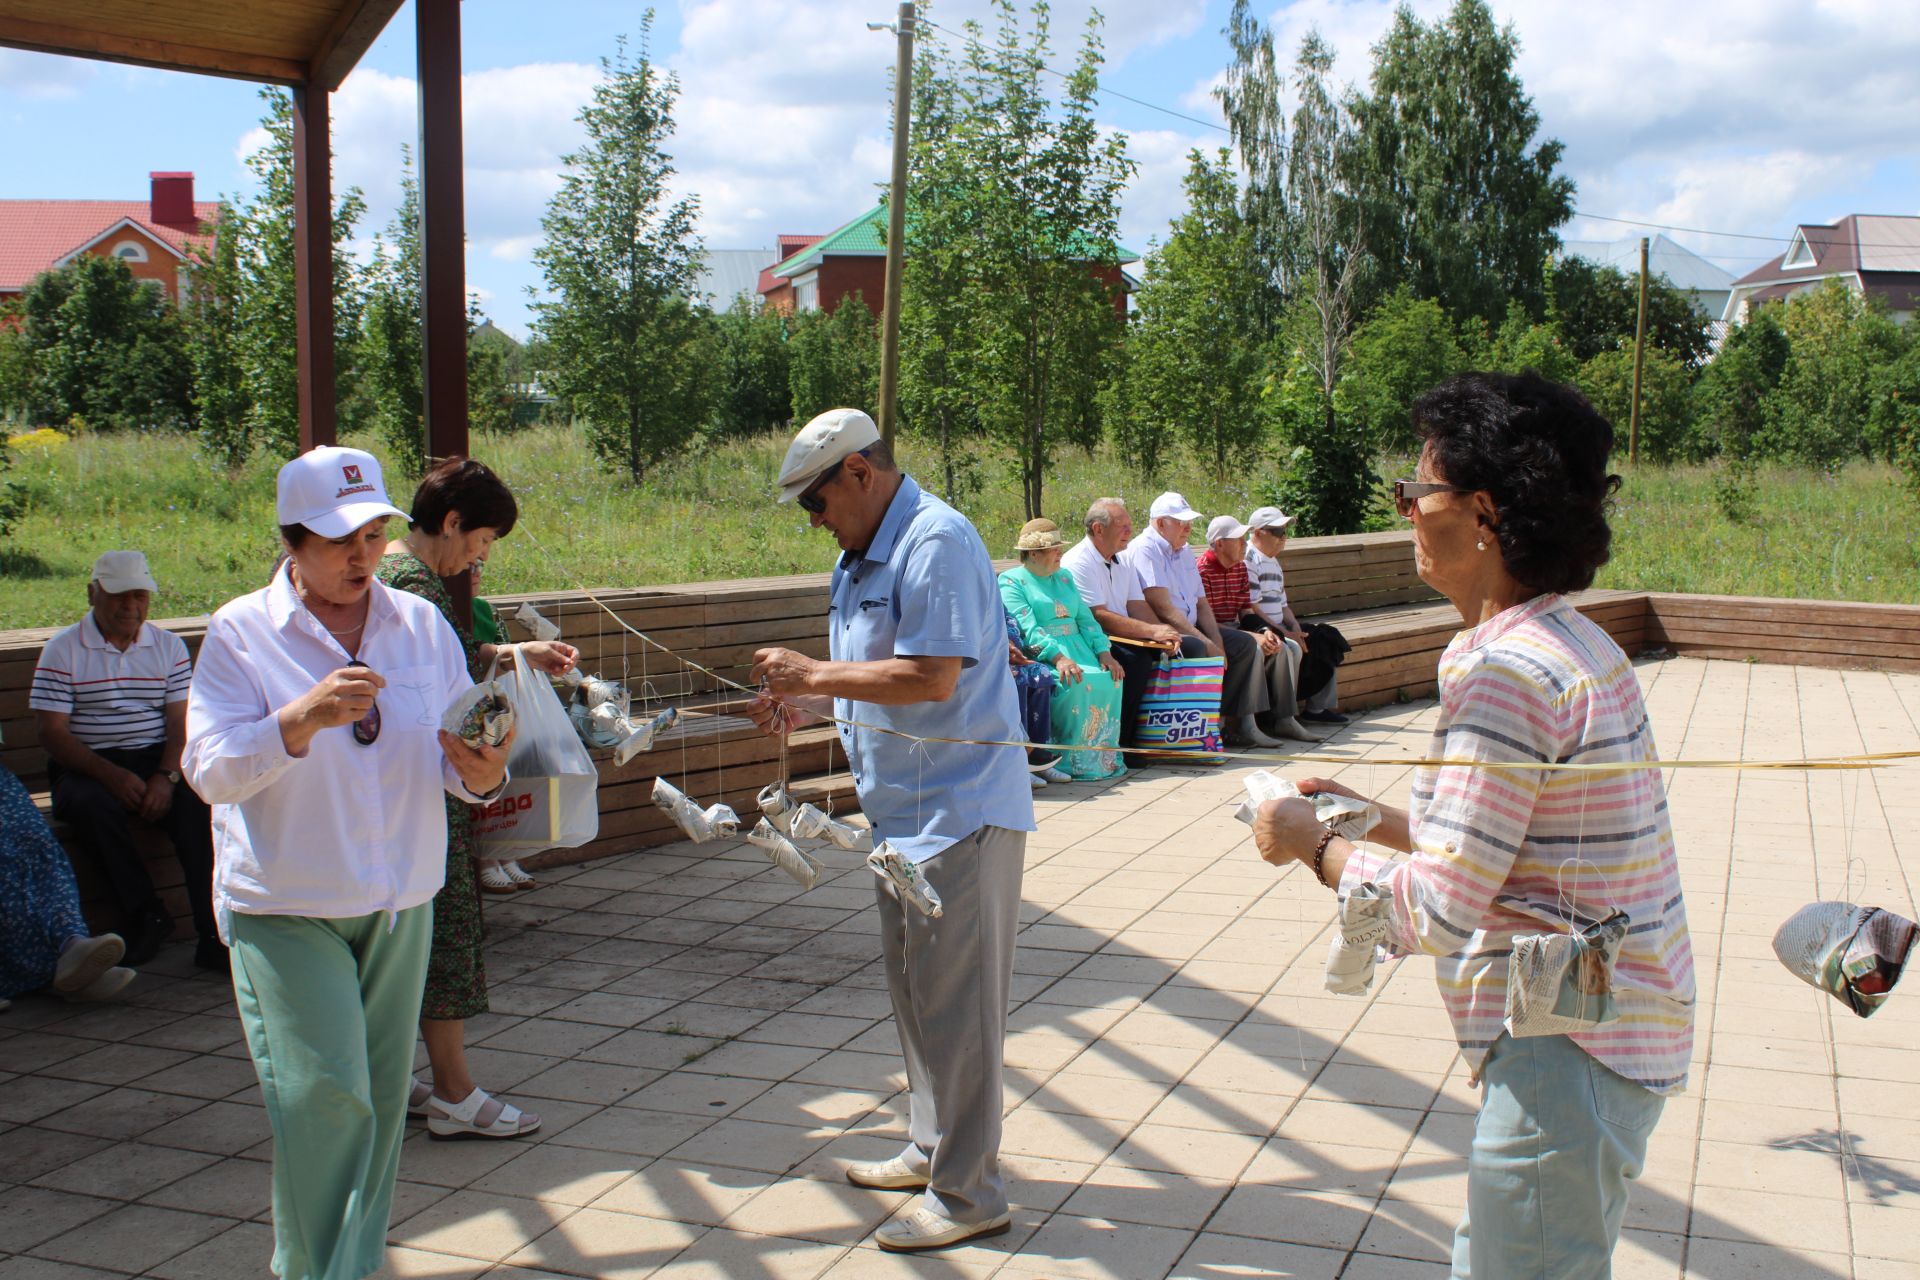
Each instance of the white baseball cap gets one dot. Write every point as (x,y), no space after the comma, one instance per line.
(118,571)
(1172,506)
(831,437)
(1269,518)
(333,491)
(1225,527)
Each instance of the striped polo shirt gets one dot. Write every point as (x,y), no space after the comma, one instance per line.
(1506,852)
(112,699)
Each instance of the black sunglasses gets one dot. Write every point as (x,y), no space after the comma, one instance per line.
(1407,494)
(367,728)
(811,501)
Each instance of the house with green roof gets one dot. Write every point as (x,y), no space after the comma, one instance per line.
(851,260)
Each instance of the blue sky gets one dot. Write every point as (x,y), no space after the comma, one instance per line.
(1733,117)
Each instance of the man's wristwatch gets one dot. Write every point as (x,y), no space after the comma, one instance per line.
(173,776)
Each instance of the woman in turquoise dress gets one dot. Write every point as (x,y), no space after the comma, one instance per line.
(1057,628)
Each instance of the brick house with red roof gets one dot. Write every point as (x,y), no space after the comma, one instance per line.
(151,236)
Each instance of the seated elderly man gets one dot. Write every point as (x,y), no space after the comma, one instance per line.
(1223,572)
(1170,580)
(1112,591)
(1267,585)
(110,699)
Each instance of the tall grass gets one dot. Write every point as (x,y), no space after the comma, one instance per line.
(211,536)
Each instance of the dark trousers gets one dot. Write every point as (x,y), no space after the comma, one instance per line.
(1138,664)
(106,832)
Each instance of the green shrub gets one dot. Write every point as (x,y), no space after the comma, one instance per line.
(1665,400)
(1406,345)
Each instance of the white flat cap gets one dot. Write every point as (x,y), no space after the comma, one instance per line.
(829,438)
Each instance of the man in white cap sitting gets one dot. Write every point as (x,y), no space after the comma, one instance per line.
(1223,571)
(918,646)
(1267,583)
(1170,579)
(110,701)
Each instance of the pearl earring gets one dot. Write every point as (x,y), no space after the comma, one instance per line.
(1481,545)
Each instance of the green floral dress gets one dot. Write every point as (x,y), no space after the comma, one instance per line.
(456,966)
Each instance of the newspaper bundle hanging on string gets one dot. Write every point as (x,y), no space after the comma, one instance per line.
(1855,954)
(1563,982)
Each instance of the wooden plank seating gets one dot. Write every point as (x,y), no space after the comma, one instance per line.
(1365,584)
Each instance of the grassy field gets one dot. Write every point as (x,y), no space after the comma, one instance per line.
(210,535)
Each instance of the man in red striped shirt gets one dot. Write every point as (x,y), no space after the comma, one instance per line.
(110,702)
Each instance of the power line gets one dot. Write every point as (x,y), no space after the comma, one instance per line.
(977,43)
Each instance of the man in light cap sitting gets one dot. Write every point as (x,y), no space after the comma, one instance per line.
(918,646)
(1170,579)
(1223,571)
(110,701)
(1267,584)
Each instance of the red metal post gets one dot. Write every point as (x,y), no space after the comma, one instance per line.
(443,243)
(313,265)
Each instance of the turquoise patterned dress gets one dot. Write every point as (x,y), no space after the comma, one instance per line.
(1054,620)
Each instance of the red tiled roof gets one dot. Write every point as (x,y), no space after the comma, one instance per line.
(787,246)
(35,234)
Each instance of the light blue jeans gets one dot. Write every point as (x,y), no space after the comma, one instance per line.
(1558,1138)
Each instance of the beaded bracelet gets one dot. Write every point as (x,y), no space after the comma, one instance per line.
(1320,857)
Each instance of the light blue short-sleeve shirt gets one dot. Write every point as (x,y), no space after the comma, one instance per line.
(925,588)
(1157,564)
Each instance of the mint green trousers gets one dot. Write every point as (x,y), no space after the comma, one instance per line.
(330,1009)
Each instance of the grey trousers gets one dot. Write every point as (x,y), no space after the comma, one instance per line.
(1279,673)
(949,979)
(1242,694)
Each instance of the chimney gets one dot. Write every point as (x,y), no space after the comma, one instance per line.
(172,203)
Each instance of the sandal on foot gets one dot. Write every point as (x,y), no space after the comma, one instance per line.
(480,1115)
(518,874)
(417,1100)
(494,879)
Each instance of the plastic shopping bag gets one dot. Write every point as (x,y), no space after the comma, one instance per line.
(1180,710)
(552,797)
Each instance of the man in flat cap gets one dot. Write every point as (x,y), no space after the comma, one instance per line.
(918,646)
(110,701)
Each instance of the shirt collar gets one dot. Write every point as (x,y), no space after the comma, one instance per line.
(906,500)
(94,638)
(1507,619)
(284,607)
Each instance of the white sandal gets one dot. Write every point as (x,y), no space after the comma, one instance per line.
(518,874)
(417,1099)
(480,1115)
(494,879)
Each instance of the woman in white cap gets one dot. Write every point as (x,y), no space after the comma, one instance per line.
(313,729)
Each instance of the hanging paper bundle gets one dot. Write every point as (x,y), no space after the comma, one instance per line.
(1855,954)
(908,884)
(809,823)
(778,806)
(1358,935)
(1563,982)
(481,716)
(784,854)
(532,619)
(699,825)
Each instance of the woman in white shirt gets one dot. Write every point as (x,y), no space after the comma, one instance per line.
(313,730)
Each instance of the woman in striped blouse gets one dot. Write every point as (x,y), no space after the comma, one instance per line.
(1509,511)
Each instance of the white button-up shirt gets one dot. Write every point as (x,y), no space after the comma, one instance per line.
(345,830)
(1153,558)
(1103,583)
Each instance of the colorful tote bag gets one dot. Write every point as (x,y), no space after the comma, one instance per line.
(1181,708)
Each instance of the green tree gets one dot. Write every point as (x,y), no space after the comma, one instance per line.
(833,359)
(1598,309)
(15,367)
(1327,476)
(756,393)
(104,348)
(215,345)
(1252,96)
(1194,352)
(13,494)
(1666,404)
(1405,346)
(492,403)
(390,349)
(269,336)
(1038,188)
(1460,202)
(1520,344)
(1822,411)
(1730,399)
(625,346)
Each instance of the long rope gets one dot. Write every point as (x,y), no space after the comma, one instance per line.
(1863,760)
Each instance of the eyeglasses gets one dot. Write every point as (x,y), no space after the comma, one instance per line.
(1407,494)
(811,501)
(367,728)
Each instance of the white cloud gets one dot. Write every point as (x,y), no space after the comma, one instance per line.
(43,76)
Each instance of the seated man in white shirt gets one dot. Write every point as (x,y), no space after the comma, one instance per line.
(1170,579)
(1112,591)
(110,701)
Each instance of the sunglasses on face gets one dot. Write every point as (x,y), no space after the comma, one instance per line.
(367,728)
(1407,494)
(811,502)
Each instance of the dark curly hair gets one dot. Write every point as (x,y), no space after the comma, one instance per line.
(1540,449)
(470,488)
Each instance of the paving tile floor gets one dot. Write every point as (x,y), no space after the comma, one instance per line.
(709,1046)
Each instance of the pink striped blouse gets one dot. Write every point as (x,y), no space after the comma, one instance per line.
(1504,852)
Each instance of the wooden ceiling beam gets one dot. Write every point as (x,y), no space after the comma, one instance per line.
(78,42)
(358,25)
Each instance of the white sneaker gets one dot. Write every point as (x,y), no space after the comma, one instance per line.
(1052,774)
(888,1175)
(83,961)
(1036,781)
(105,987)
(922,1228)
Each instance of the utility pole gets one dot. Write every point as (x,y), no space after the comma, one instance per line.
(896,218)
(1639,357)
